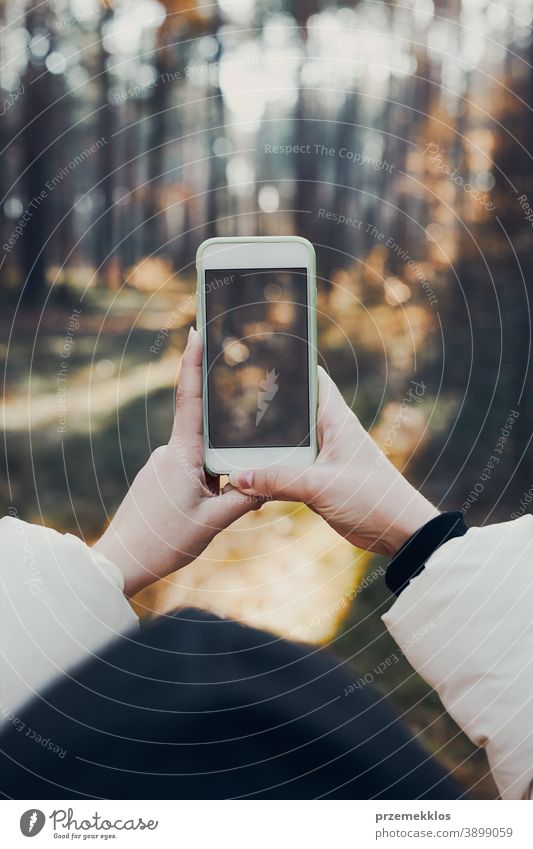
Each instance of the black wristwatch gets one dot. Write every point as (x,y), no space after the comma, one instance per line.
(411,558)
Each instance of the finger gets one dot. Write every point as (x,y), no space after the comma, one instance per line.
(285,483)
(229,506)
(255,501)
(189,407)
(333,411)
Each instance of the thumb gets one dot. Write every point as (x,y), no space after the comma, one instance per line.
(285,483)
(223,509)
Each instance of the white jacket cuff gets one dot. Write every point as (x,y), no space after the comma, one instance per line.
(60,603)
(465,623)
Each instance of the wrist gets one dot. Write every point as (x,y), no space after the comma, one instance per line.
(131,555)
(415,512)
(411,558)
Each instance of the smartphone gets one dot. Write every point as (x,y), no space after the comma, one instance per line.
(256,311)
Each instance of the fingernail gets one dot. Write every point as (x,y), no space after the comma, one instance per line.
(241,480)
(192,332)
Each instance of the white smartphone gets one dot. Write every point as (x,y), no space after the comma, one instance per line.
(256,311)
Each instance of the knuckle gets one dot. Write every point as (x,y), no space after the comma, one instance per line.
(303,487)
(159,454)
(180,397)
(158,461)
(271,480)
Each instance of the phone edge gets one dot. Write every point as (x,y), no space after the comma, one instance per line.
(312,331)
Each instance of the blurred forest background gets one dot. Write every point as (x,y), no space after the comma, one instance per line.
(396,136)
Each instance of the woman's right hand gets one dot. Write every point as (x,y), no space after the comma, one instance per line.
(351,484)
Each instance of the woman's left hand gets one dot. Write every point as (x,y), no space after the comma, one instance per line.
(173,509)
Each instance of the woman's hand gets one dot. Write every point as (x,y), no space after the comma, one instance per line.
(173,510)
(352,485)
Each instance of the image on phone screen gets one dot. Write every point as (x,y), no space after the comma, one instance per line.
(257,357)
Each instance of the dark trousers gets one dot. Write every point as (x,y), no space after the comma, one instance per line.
(195,707)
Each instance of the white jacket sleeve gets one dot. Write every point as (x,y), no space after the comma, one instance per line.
(60,601)
(465,623)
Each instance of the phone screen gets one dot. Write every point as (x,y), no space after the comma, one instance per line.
(257,357)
